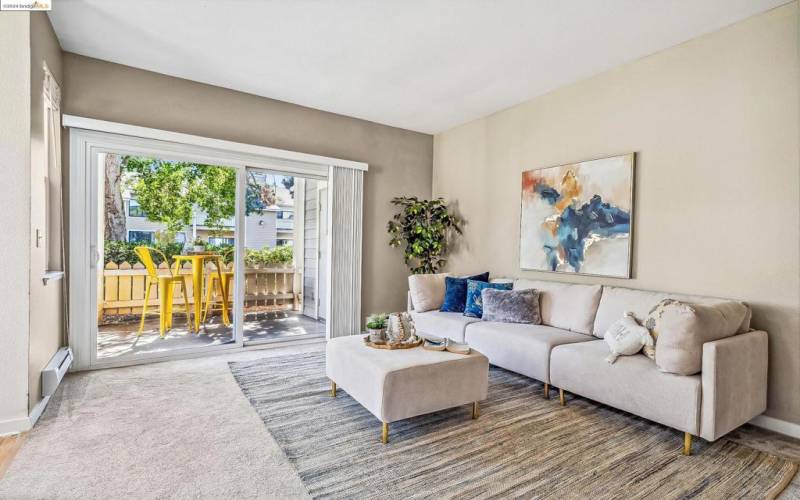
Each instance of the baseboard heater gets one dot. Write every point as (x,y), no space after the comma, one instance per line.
(55,371)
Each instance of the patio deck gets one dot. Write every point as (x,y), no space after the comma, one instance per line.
(119,339)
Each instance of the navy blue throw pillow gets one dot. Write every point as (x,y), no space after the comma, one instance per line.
(455,292)
(474,307)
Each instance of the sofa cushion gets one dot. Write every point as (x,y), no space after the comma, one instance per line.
(615,301)
(564,305)
(626,337)
(474,307)
(519,347)
(633,384)
(427,291)
(441,324)
(680,330)
(455,292)
(511,306)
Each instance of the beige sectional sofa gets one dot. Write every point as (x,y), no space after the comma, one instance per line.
(567,351)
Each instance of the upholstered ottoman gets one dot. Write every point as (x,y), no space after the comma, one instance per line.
(403,383)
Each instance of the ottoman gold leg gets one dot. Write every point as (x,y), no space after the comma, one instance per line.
(333,389)
(561,398)
(476,410)
(546,391)
(385,433)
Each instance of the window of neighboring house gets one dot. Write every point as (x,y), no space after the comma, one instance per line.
(282,242)
(134,210)
(218,240)
(180,237)
(286,215)
(141,236)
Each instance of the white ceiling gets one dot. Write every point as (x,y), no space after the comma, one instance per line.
(425,65)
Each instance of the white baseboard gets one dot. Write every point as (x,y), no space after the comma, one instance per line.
(15,426)
(777,425)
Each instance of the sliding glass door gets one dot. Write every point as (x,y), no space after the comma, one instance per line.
(283,257)
(180,245)
(164,238)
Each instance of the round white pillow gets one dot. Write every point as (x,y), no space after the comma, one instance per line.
(626,337)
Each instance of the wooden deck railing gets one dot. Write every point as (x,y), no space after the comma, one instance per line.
(123,286)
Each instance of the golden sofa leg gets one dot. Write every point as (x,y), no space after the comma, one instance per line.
(333,389)
(476,410)
(546,391)
(561,399)
(687,444)
(385,433)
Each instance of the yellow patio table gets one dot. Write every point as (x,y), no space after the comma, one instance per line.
(198,261)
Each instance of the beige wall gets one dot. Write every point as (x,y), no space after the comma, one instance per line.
(46,315)
(15,129)
(714,122)
(399,160)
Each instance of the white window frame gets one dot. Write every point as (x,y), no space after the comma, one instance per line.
(88,138)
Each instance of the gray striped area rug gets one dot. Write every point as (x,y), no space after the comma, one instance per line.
(521,446)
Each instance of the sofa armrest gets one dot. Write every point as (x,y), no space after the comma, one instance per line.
(734,380)
(409,303)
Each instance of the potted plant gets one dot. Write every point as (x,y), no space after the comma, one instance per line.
(376,326)
(198,245)
(424,227)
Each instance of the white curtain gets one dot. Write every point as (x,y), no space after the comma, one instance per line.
(346,192)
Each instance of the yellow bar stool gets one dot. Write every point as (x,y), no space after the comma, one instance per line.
(166,285)
(223,288)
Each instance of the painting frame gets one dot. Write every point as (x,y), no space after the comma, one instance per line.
(628,273)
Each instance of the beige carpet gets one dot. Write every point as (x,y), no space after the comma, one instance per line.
(180,429)
(523,446)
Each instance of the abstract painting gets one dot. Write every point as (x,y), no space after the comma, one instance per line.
(577,218)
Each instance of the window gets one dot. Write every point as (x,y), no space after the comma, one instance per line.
(218,241)
(140,236)
(134,210)
(286,215)
(180,237)
(282,242)
(50,235)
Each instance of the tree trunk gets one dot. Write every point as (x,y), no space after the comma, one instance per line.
(115,228)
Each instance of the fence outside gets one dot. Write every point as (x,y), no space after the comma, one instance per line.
(123,288)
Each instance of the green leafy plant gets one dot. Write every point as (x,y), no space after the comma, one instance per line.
(199,243)
(377,321)
(424,226)
(168,191)
(122,251)
(283,254)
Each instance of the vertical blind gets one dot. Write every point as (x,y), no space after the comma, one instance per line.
(346,193)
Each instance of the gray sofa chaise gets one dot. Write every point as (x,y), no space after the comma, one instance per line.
(567,351)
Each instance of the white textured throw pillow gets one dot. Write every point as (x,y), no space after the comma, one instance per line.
(427,291)
(626,337)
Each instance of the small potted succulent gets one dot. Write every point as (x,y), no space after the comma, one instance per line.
(376,327)
(198,245)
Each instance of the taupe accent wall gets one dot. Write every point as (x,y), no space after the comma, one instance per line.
(399,160)
(714,123)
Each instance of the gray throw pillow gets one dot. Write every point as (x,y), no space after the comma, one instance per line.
(511,306)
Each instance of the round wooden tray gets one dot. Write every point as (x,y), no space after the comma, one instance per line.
(391,346)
